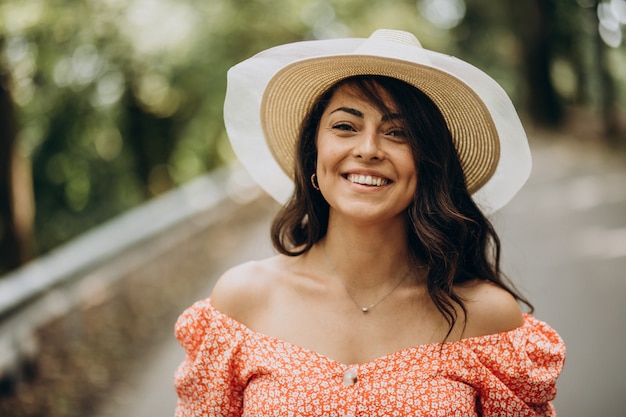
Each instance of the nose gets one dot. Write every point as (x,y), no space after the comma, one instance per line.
(368,146)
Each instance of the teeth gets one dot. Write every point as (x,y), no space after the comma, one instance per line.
(367,180)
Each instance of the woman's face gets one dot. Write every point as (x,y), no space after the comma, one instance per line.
(365,167)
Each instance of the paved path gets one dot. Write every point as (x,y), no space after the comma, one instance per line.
(564,239)
(565,242)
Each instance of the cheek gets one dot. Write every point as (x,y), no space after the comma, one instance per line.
(324,168)
(406,164)
(408,170)
(327,156)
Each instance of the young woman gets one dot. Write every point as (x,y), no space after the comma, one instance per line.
(386,297)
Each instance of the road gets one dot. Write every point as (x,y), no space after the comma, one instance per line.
(564,245)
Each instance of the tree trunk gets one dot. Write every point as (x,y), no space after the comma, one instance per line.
(533,23)
(607,95)
(16,207)
(152,140)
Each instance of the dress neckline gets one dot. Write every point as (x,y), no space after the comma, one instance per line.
(423,348)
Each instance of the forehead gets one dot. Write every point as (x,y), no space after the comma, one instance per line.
(372,96)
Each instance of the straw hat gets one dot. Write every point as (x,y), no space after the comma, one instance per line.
(270,94)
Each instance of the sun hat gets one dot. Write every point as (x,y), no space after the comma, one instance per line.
(269,95)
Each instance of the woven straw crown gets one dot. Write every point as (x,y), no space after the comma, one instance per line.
(270,94)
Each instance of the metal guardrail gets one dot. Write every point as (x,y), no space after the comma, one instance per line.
(78,271)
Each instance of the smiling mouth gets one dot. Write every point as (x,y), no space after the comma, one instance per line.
(367,180)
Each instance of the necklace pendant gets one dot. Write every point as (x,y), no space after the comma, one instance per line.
(365,309)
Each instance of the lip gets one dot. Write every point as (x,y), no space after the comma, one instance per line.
(366,178)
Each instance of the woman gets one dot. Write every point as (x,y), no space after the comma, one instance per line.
(386,296)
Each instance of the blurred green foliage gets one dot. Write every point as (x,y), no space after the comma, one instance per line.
(120,100)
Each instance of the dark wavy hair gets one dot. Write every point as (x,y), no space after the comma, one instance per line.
(445,228)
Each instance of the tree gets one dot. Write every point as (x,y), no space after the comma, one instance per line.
(15,226)
(607,87)
(114,102)
(516,38)
(534,22)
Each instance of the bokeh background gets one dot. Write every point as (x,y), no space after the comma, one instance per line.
(108,106)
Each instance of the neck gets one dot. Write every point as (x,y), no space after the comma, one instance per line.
(367,256)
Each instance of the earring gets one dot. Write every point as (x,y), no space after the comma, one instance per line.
(314,182)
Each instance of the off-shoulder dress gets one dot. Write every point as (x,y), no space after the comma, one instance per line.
(231,370)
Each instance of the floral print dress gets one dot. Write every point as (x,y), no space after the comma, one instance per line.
(231,370)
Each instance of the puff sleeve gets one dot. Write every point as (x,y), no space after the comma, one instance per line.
(208,381)
(515,372)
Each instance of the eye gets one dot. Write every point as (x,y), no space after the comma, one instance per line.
(344,127)
(397,133)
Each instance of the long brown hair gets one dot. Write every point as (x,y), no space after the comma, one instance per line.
(445,227)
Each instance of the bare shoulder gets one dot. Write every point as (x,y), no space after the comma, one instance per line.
(490,309)
(243,289)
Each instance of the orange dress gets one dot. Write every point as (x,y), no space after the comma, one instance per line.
(231,370)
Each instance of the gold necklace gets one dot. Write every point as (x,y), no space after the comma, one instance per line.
(369,307)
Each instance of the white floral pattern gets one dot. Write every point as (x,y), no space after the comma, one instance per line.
(231,370)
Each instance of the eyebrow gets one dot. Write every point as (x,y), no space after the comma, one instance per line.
(357,113)
(348,110)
